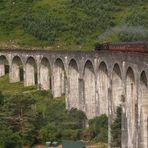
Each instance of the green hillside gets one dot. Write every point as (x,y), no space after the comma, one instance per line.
(71,24)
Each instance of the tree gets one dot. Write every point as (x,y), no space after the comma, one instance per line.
(78,117)
(99,127)
(8,138)
(20,113)
(116,129)
(1,98)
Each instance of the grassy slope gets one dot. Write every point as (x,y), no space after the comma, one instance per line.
(17,34)
(11,88)
(42,97)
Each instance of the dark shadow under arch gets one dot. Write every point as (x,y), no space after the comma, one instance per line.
(4,65)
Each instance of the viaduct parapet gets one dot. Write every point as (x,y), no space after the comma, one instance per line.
(94,82)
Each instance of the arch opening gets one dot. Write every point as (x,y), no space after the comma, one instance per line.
(131,105)
(144,111)
(4,66)
(73,84)
(31,72)
(45,74)
(89,90)
(59,78)
(116,88)
(103,81)
(17,72)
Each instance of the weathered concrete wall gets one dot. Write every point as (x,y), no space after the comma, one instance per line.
(2,68)
(16,66)
(94,82)
(89,90)
(73,77)
(117,88)
(131,106)
(103,84)
(58,78)
(30,70)
(45,74)
(144,111)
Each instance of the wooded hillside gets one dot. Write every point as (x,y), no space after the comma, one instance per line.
(72,23)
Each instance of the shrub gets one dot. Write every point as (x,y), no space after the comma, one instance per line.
(116,129)
(43,27)
(137,18)
(99,127)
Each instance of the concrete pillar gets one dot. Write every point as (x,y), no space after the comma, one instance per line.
(103,82)
(124,133)
(117,89)
(15,73)
(109,111)
(45,75)
(30,71)
(131,107)
(67,95)
(89,90)
(81,94)
(16,70)
(59,79)
(37,77)
(30,76)
(144,111)
(115,100)
(73,85)
(2,68)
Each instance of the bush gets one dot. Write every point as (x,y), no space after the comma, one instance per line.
(99,127)
(1,98)
(136,27)
(116,129)
(137,18)
(9,138)
(50,132)
(86,134)
(43,27)
(70,134)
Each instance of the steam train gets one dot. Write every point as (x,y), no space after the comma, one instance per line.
(141,47)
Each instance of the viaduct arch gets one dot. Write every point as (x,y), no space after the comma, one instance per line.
(89,89)
(73,84)
(17,70)
(45,74)
(31,72)
(94,82)
(117,88)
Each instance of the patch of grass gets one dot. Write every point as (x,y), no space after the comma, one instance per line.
(99,145)
(11,88)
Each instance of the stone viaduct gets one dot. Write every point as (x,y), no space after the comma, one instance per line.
(94,82)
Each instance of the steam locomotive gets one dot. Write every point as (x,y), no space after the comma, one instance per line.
(141,47)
